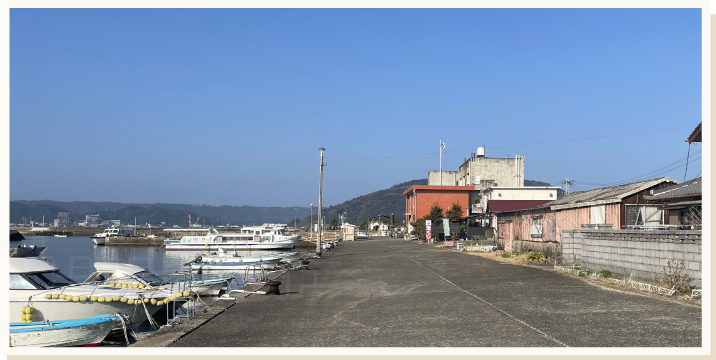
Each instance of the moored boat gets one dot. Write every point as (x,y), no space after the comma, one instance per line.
(55,296)
(112,231)
(72,332)
(265,237)
(218,262)
(133,276)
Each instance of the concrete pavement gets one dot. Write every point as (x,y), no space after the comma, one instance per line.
(384,292)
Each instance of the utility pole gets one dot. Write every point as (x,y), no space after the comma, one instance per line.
(567,182)
(320,201)
(442,145)
(310,233)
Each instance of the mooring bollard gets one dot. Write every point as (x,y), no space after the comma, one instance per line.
(318,254)
(304,263)
(273,287)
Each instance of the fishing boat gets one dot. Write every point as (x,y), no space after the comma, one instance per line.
(26,251)
(133,276)
(265,237)
(221,260)
(73,332)
(112,231)
(61,235)
(55,296)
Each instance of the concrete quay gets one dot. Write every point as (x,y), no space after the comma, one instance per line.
(384,292)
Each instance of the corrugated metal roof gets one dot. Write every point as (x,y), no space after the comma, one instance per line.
(607,195)
(688,188)
(511,205)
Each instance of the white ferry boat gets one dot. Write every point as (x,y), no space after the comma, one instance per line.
(110,232)
(264,237)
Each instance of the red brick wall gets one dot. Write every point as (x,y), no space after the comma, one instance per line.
(445,199)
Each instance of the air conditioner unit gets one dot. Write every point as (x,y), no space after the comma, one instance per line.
(476,209)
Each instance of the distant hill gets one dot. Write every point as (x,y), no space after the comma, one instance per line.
(170,214)
(384,202)
(560,192)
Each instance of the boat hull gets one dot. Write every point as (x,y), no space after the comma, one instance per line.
(233,266)
(98,240)
(78,332)
(174,245)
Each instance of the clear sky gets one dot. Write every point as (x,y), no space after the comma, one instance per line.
(229,106)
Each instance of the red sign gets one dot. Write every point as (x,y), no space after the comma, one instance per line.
(428,230)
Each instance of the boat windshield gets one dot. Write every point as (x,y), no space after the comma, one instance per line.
(140,278)
(50,279)
(151,278)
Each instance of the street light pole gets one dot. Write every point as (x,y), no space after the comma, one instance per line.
(311,229)
(320,202)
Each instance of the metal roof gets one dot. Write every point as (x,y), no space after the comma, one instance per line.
(606,195)
(511,205)
(695,135)
(685,189)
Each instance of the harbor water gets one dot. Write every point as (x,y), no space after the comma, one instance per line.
(75,256)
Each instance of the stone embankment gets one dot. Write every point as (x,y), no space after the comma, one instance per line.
(133,241)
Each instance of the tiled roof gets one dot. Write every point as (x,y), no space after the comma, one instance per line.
(607,195)
(688,188)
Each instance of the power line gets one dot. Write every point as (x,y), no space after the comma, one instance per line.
(508,146)
(652,174)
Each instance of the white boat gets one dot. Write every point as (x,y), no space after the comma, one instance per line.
(220,260)
(55,296)
(265,237)
(27,251)
(114,230)
(60,235)
(75,332)
(132,276)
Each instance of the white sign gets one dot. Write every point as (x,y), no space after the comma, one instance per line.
(428,230)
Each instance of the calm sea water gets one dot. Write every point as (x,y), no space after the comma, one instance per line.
(75,256)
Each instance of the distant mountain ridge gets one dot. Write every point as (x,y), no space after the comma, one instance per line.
(170,214)
(379,202)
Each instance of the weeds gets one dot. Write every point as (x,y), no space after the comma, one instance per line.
(506,255)
(605,273)
(537,257)
(674,274)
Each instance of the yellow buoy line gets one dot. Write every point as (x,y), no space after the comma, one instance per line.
(29,310)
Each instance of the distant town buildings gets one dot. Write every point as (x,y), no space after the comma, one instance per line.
(63,219)
(478,183)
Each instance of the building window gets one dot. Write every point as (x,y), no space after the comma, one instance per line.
(643,215)
(597,214)
(536,228)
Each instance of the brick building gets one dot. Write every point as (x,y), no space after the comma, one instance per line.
(419,199)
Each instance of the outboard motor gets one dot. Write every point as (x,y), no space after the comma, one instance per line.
(196,260)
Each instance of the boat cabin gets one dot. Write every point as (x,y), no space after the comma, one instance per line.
(34,274)
(124,275)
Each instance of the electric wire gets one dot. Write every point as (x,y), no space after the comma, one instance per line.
(652,174)
(508,146)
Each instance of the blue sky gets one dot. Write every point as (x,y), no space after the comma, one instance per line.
(229,106)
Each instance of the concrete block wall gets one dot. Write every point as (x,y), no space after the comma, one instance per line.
(641,253)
